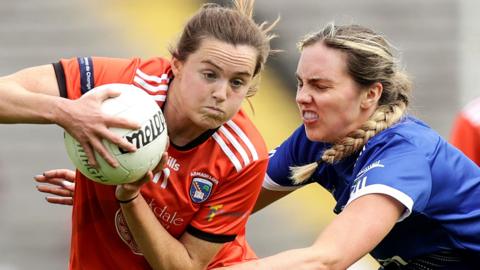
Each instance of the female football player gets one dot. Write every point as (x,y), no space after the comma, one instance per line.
(217,158)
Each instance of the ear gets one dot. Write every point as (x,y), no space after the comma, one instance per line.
(371,95)
(177,66)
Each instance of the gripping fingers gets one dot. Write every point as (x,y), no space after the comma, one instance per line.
(100,148)
(90,154)
(113,121)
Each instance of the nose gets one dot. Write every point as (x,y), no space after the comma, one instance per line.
(219,91)
(303,96)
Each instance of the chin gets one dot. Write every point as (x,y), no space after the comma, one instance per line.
(312,135)
(212,122)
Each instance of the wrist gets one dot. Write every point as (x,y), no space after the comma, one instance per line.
(57,111)
(121,201)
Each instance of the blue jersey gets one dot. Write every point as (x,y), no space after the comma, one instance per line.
(437,184)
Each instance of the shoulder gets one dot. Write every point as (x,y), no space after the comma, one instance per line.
(153,76)
(409,131)
(241,142)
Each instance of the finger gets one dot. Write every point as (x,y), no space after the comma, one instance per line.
(161,164)
(120,122)
(51,180)
(103,152)
(58,200)
(117,140)
(107,93)
(135,186)
(58,182)
(90,154)
(66,174)
(55,191)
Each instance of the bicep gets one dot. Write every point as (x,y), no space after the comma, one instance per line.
(359,228)
(40,79)
(201,252)
(267,197)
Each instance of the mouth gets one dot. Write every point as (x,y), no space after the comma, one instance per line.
(309,117)
(215,109)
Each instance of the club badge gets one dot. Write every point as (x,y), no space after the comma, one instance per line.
(200,190)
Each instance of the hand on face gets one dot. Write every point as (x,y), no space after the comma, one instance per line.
(84,120)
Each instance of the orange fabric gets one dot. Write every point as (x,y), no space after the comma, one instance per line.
(211,187)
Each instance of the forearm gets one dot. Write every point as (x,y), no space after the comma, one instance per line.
(161,250)
(18,105)
(305,258)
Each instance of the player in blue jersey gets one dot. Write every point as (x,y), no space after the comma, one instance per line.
(403,193)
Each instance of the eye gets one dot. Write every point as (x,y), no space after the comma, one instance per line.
(209,75)
(322,87)
(236,83)
(299,84)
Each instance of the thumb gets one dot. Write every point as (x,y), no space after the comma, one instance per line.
(109,93)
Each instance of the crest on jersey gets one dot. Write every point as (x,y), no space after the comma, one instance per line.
(200,189)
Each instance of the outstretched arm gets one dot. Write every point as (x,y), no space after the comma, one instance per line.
(268,197)
(32,96)
(371,217)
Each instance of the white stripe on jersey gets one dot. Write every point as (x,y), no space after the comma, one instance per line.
(244,138)
(149,87)
(403,198)
(164,78)
(227,151)
(236,144)
(159,97)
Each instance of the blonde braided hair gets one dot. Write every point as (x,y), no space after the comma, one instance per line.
(369,60)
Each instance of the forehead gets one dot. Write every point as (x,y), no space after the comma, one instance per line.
(319,60)
(234,58)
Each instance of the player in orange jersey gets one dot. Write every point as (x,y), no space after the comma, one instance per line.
(466,131)
(182,217)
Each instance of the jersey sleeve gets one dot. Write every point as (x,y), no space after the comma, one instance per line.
(396,168)
(297,150)
(77,76)
(225,214)
(466,137)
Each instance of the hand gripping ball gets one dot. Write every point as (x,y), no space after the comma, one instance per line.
(150,140)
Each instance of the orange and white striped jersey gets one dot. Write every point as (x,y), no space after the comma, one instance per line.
(208,188)
(466,131)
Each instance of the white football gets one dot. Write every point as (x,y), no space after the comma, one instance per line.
(150,140)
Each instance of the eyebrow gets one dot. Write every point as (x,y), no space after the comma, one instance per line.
(240,73)
(313,80)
